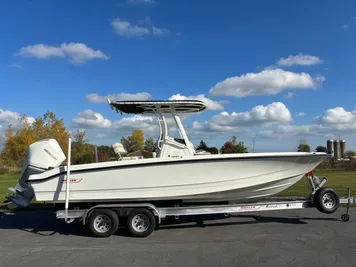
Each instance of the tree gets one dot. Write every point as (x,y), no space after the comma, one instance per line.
(149,148)
(303,148)
(82,152)
(350,153)
(320,149)
(134,142)
(202,146)
(213,150)
(17,143)
(232,146)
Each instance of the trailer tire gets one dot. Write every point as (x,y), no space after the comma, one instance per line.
(326,200)
(141,222)
(103,222)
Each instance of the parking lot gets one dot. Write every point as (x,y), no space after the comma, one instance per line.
(293,238)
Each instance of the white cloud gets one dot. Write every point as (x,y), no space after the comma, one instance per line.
(129,30)
(145,123)
(210,104)
(76,53)
(90,119)
(159,31)
(8,116)
(300,114)
(345,26)
(15,66)
(266,82)
(259,116)
(330,124)
(95,98)
(300,59)
(336,115)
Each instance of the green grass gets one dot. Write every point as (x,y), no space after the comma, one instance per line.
(339,181)
(6,181)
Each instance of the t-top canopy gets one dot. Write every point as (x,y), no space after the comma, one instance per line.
(159,106)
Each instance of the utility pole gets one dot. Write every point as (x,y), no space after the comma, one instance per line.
(253,144)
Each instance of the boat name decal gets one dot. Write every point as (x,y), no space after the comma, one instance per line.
(73,180)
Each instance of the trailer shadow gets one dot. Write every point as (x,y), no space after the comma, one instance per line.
(40,222)
(210,221)
(44,222)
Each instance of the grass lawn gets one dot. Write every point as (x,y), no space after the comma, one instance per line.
(6,181)
(339,181)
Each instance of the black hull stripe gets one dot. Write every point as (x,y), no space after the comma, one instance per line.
(140,164)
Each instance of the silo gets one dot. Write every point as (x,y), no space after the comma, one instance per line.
(330,147)
(337,151)
(342,148)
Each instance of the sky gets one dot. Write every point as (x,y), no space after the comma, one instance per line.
(271,71)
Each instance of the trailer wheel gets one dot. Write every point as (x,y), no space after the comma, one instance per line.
(326,200)
(345,217)
(103,222)
(141,222)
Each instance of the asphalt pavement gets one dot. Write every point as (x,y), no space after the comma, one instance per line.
(289,238)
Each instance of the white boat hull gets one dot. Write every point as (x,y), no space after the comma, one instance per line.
(197,179)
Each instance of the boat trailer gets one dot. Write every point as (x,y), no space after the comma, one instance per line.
(143,218)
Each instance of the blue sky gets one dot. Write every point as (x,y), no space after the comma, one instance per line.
(261,64)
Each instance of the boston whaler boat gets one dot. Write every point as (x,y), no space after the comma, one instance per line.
(177,181)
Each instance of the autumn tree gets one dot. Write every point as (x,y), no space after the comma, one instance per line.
(17,142)
(232,146)
(134,142)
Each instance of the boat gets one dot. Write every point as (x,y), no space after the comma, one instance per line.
(176,173)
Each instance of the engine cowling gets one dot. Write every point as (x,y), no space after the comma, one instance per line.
(41,156)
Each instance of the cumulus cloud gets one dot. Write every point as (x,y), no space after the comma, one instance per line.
(90,119)
(8,116)
(210,104)
(336,115)
(159,31)
(266,82)
(300,59)
(330,123)
(129,30)
(95,98)
(300,114)
(75,53)
(145,123)
(259,116)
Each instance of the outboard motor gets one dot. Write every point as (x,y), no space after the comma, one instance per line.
(41,156)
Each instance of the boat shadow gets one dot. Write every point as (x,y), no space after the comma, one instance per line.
(44,222)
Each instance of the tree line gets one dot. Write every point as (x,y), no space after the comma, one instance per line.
(49,126)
